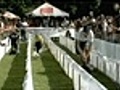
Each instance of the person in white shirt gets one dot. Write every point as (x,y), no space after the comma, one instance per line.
(24,25)
(85,38)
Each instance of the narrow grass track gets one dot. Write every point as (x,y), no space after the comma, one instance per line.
(12,68)
(101,77)
(5,66)
(48,75)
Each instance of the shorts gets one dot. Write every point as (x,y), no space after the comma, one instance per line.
(82,45)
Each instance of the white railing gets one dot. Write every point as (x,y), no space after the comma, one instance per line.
(4,49)
(109,66)
(81,79)
(28,82)
(67,42)
(107,56)
(108,49)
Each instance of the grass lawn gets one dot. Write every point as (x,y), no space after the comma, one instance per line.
(12,70)
(5,66)
(101,77)
(48,75)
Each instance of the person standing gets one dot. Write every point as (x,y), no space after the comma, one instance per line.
(85,38)
(23,25)
(38,43)
(14,41)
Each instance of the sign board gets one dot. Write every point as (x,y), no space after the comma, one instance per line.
(46,11)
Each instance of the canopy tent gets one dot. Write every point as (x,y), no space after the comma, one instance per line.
(10,15)
(48,10)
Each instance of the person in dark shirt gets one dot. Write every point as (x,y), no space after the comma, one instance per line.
(23,34)
(38,42)
(14,38)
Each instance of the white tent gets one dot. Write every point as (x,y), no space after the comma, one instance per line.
(10,15)
(48,10)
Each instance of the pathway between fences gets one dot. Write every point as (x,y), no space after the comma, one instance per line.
(101,77)
(12,70)
(48,75)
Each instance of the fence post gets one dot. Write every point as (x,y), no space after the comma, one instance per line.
(97,61)
(68,67)
(79,77)
(73,73)
(118,72)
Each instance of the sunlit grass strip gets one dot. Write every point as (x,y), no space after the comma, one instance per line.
(5,66)
(48,75)
(13,68)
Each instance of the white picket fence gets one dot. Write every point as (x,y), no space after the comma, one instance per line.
(28,81)
(108,49)
(4,49)
(81,79)
(67,42)
(109,66)
(106,58)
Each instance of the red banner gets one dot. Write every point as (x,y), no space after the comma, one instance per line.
(47,10)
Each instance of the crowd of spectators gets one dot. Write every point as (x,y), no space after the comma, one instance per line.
(104,27)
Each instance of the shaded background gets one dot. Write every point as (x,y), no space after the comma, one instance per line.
(76,8)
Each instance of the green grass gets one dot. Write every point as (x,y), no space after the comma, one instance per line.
(5,66)
(12,68)
(48,75)
(101,77)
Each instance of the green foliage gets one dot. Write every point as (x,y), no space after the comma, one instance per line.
(18,7)
(73,9)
